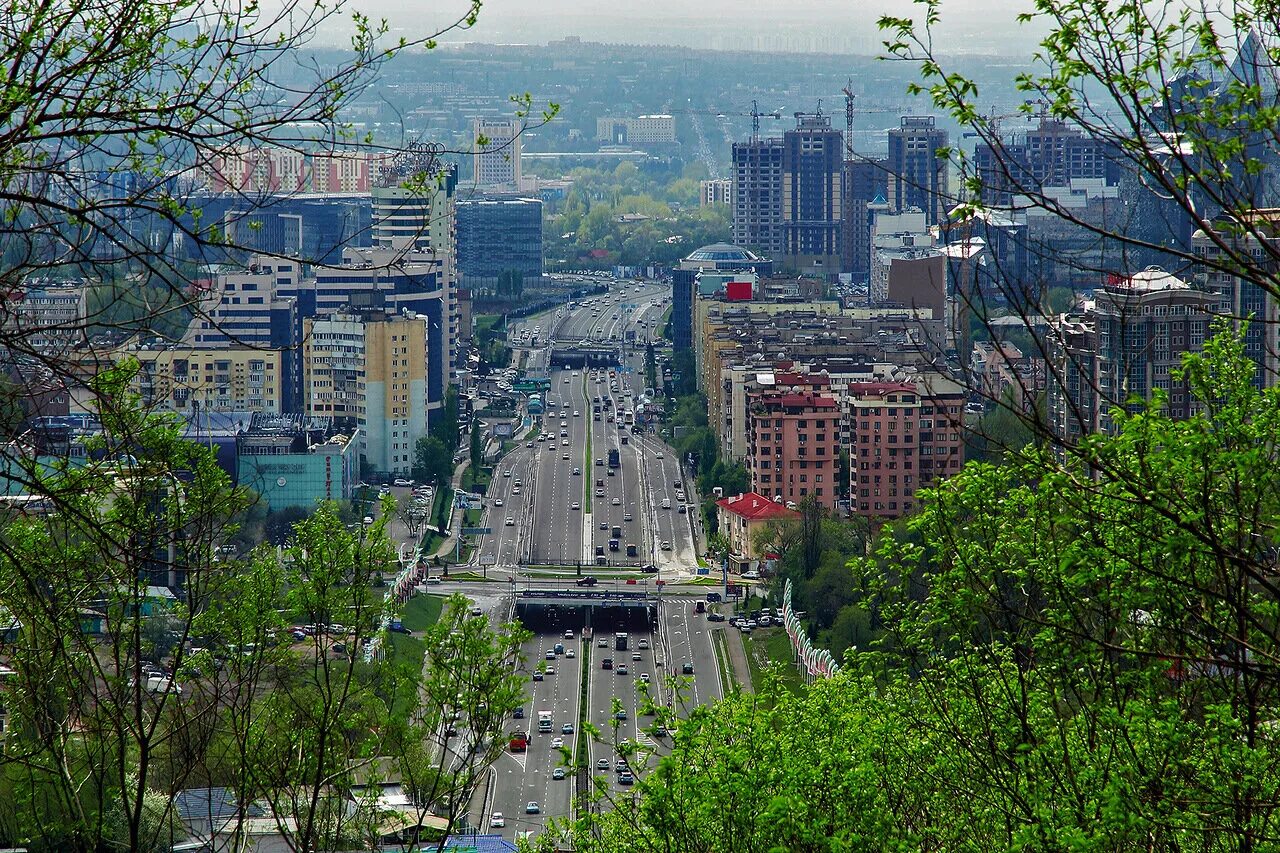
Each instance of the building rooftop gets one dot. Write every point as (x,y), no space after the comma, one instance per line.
(1151,279)
(723,252)
(753,506)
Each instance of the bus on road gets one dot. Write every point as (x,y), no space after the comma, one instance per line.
(620,641)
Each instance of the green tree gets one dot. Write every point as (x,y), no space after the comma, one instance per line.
(1066,653)
(432,461)
(477,444)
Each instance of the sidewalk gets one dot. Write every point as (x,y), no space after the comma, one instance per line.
(455,518)
(737,659)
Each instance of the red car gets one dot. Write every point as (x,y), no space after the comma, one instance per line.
(631,581)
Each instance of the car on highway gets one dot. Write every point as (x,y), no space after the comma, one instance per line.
(616,502)
(666,503)
(565,458)
(607,663)
(576,413)
(558,773)
(622,714)
(569,653)
(589,580)
(660,455)
(537,675)
(551,654)
(577,472)
(644,643)
(644,676)
(566,729)
(666,546)
(635,656)
(625,778)
(550,670)
(602,764)
(528,444)
(497,501)
(604,525)
(627,517)
(568,634)
(575,506)
(686,669)
(510,522)
(564,442)
(497,821)
(506,473)
(622,669)
(557,743)
(532,807)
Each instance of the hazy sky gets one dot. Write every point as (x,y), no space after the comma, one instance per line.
(703,22)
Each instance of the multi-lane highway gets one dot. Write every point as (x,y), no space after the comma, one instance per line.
(560,512)
(667,661)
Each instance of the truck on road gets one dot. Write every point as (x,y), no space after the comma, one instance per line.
(614,459)
(544,721)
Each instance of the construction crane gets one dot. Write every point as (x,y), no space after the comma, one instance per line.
(755,114)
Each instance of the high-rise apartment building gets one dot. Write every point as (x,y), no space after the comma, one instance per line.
(903,436)
(863,181)
(1128,344)
(370,369)
(1245,301)
(793,445)
(1053,154)
(497,153)
(426,221)
(812,209)
(917,176)
(400,282)
(757,196)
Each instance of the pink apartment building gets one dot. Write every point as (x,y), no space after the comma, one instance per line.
(792,446)
(903,436)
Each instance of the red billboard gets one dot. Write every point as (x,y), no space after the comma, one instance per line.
(737,291)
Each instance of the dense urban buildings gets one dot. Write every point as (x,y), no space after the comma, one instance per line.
(717,257)
(742,518)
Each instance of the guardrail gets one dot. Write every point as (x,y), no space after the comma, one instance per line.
(816,662)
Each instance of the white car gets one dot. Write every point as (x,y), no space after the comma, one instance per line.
(497,821)
(666,546)
(576,413)
(569,653)
(557,742)
(497,501)
(661,455)
(576,506)
(510,522)
(402,482)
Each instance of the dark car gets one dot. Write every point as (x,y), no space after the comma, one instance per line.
(519,713)
(589,580)
(715,617)
(687,669)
